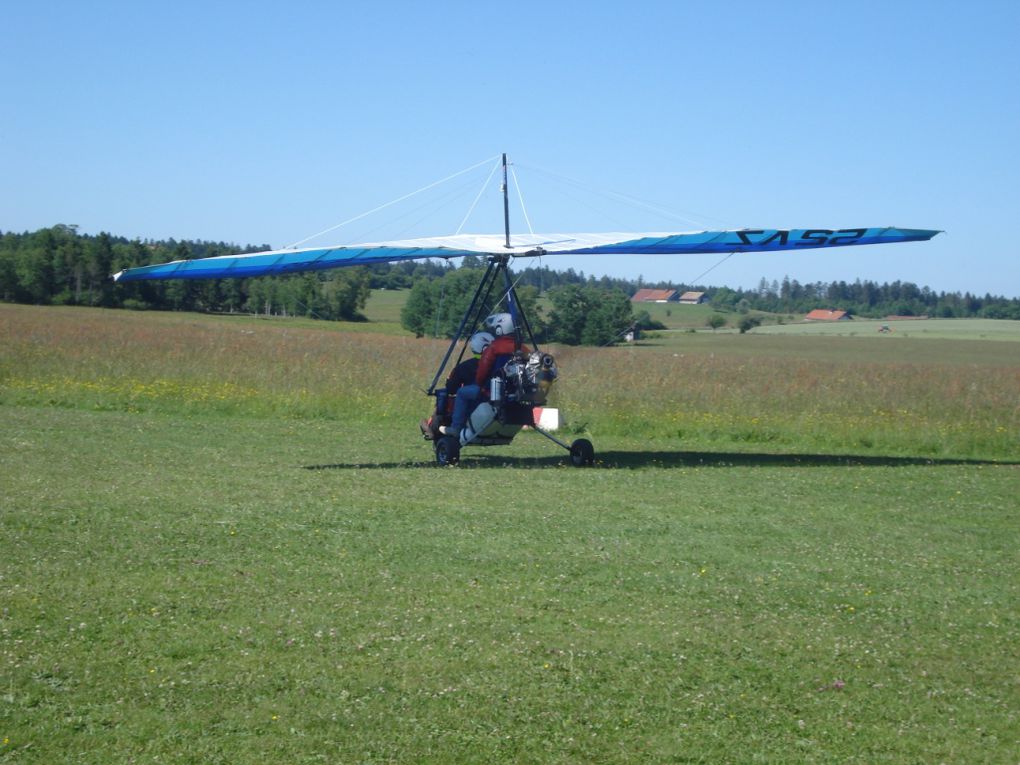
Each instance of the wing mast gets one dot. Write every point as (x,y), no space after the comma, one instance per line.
(506,206)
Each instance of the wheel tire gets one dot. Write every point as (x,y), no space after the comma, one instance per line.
(447,451)
(582,453)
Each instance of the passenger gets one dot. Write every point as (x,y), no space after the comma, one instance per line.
(465,372)
(461,383)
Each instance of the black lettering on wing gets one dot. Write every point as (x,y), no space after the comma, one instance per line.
(744,234)
(849,235)
(814,237)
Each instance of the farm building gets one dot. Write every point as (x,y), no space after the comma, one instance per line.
(655,296)
(693,298)
(824,314)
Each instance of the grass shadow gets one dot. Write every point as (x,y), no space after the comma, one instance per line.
(635,459)
(630,460)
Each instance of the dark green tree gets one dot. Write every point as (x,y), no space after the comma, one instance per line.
(9,289)
(34,270)
(588,315)
(609,318)
(416,314)
(715,321)
(748,323)
(451,298)
(181,292)
(568,314)
(68,264)
(98,267)
(345,292)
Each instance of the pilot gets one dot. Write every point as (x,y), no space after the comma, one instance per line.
(500,350)
(461,383)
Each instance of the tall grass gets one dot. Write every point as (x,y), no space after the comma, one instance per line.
(158,362)
(927,409)
(163,362)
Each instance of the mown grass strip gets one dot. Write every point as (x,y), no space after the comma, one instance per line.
(231,589)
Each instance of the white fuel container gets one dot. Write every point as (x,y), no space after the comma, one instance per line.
(480,419)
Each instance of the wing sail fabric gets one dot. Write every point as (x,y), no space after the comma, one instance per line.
(751,240)
(280,262)
(316,259)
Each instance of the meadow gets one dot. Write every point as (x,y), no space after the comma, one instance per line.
(224,541)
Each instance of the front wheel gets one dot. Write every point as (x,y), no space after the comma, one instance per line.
(447,451)
(582,453)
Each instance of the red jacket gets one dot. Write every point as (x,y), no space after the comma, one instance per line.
(501,346)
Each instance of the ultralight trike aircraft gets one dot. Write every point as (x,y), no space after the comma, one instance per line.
(521,378)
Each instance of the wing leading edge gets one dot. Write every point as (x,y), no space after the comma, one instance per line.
(278,262)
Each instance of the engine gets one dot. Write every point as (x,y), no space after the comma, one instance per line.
(527,378)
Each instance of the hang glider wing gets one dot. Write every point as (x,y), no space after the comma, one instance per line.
(743,240)
(280,262)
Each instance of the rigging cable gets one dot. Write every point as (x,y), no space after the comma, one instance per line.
(728,256)
(632,200)
(480,192)
(389,204)
(618,335)
(517,185)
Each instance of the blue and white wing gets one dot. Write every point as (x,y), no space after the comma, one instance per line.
(279,262)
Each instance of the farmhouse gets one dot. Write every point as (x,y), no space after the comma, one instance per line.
(655,296)
(693,298)
(823,314)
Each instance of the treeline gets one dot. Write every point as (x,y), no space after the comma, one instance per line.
(59,266)
(865,298)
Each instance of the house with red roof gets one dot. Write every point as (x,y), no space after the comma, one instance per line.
(655,296)
(824,314)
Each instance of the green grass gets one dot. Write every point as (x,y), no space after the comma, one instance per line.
(677,316)
(383,309)
(862,348)
(934,329)
(225,542)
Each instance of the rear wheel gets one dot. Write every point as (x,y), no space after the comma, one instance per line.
(582,453)
(447,451)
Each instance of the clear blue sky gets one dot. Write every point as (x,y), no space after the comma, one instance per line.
(266,122)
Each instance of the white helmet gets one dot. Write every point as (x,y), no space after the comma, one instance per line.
(480,341)
(500,324)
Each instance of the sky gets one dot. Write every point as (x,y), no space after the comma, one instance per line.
(266,122)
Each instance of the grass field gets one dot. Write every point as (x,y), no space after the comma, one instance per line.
(933,329)
(225,542)
(383,310)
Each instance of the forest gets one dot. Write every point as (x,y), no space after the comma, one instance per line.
(60,266)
